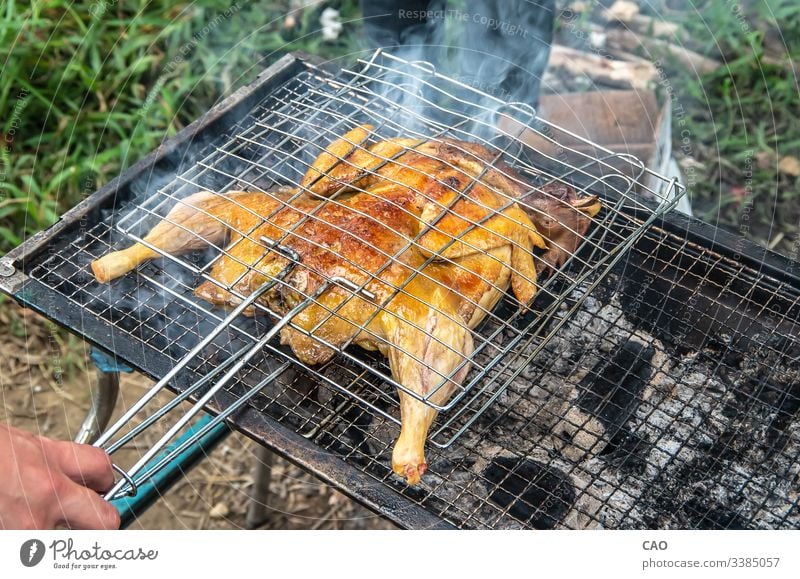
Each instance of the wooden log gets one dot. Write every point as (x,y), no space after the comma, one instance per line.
(655,48)
(627,13)
(638,73)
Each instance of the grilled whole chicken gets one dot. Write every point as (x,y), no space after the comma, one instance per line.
(431,228)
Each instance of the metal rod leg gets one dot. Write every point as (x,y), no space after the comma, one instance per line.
(104,397)
(258,512)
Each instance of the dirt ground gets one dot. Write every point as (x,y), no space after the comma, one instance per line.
(45,381)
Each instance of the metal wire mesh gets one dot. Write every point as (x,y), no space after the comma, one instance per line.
(277,145)
(586,411)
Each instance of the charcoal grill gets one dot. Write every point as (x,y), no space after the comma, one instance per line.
(655,384)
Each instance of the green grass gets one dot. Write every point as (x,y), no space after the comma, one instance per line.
(744,117)
(87,88)
(750,121)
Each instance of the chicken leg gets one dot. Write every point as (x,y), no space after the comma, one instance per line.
(432,360)
(200,220)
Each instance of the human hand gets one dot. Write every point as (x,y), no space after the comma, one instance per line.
(47,483)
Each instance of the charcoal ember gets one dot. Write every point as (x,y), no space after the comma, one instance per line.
(588,512)
(533,492)
(609,395)
(354,420)
(667,440)
(580,434)
(771,375)
(667,418)
(627,451)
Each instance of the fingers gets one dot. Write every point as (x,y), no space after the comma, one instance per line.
(84,464)
(82,508)
(42,483)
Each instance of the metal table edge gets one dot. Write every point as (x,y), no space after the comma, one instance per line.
(330,468)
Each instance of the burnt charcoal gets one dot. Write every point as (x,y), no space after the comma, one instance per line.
(355,433)
(526,319)
(416,493)
(444,465)
(296,383)
(506,308)
(627,451)
(287,396)
(789,403)
(555,285)
(216,353)
(728,353)
(724,374)
(336,445)
(712,518)
(727,447)
(635,291)
(730,410)
(768,392)
(777,438)
(732,357)
(769,386)
(680,505)
(533,492)
(357,420)
(280,412)
(612,390)
(335,441)
(777,430)
(532,371)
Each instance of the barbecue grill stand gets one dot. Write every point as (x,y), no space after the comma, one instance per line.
(104,398)
(257,511)
(683,285)
(607,246)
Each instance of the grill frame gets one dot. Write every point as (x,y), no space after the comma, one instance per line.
(375,494)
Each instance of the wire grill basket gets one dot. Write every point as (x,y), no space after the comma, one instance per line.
(274,146)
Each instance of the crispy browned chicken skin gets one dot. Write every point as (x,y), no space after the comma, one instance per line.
(430,227)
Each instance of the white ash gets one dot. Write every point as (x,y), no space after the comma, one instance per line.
(683,415)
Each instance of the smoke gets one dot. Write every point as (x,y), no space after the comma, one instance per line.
(493,50)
